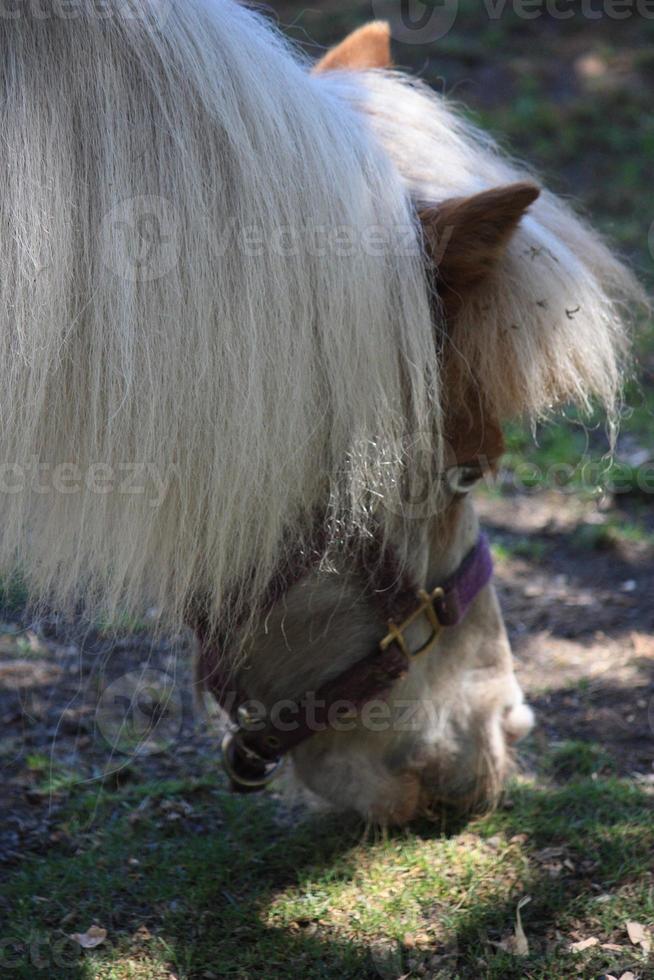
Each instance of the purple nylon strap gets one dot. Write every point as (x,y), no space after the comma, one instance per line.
(463,587)
(252,754)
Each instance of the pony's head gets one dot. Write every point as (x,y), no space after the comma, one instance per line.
(444,729)
(259,331)
(438,731)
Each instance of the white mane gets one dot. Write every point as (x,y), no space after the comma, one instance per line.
(255,379)
(250,378)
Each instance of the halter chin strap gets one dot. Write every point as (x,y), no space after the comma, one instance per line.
(256,748)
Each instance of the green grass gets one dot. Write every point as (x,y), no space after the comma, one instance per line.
(613,533)
(571,759)
(13,594)
(224,888)
(519,547)
(49,777)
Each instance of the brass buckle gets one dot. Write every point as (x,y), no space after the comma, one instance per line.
(396,633)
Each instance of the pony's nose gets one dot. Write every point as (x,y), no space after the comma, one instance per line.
(517,722)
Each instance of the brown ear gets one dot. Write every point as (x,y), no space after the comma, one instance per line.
(367,47)
(466,236)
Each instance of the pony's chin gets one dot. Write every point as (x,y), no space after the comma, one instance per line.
(465,801)
(422,797)
(421,801)
(394,799)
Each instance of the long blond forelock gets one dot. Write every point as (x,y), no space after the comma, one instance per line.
(253,388)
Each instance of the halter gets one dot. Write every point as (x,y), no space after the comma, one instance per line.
(255,748)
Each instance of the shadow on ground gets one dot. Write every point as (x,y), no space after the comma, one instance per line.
(228,889)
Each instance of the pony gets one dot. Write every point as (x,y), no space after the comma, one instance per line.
(261,324)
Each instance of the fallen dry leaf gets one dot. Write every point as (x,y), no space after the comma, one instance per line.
(639,936)
(584,944)
(411,940)
(91,938)
(517,944)
(519,839)
(548,854)
(643,644)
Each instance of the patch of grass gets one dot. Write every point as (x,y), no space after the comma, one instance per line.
(610,534)
(575,458)
(49,777)
(573,759)
(13,594)
(224,888)
(121,623)
(520,547)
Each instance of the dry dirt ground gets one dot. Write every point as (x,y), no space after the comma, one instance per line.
(581,623)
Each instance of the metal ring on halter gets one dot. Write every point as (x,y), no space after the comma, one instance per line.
(228,749)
